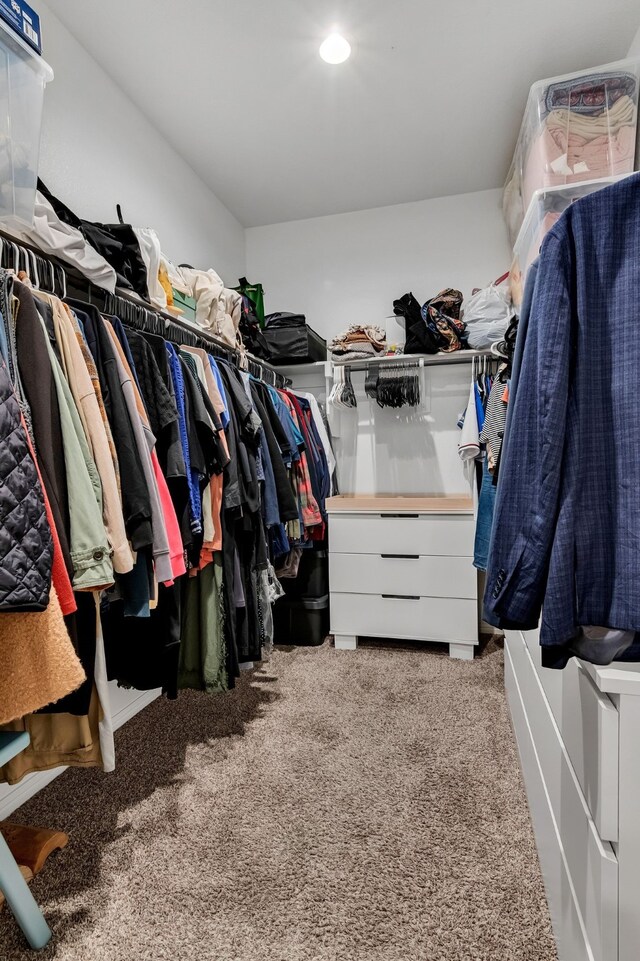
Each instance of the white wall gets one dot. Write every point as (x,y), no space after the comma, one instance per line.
(99,150)
(349,268)
(406,451)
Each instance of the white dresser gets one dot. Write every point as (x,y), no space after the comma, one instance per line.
(402,567)
(578,734)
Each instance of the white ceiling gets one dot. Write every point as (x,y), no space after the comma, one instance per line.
(428,105)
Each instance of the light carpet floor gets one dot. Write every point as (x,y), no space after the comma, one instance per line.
(337,806)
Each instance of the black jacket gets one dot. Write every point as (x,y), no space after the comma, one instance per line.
(136,502)
(40,391)
(244,438)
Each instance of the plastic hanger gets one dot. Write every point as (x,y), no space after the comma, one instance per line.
(35,277)
(16,257)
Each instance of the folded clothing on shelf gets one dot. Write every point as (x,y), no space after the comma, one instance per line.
(359,342)
(574,146)
(436,326)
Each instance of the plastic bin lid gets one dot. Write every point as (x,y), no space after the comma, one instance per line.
(572,192)
(630,65)
(305,603)
(21,48)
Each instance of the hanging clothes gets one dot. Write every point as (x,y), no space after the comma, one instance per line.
(568,493)
(90,549)
(56,740)
(469,444)
(166,483)
(36,374)
(145,442)
(77,374)
(39,664)
(26,545)
(136,501)
(493,428)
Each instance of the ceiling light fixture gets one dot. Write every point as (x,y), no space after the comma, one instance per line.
(335,49)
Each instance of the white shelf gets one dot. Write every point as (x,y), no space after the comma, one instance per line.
(318,366)
(427,360)
(289,369)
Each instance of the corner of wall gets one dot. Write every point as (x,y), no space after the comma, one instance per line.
(634,49)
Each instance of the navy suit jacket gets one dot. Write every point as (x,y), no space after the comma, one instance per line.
(567,515)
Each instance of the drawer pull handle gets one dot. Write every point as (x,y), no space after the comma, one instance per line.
(395,516)
(406,557)
(403,597)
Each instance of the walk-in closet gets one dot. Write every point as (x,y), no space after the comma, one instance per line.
(319,481)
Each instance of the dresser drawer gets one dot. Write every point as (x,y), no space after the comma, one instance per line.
(421,618)
(447,534)
(552,681)
(580,871)
(589,727)
(403,574)
(588,723)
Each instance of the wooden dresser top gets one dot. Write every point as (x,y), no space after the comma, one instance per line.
(399,505)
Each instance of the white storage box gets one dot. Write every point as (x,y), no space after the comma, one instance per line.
(579,127)
(544,210)
(23,76)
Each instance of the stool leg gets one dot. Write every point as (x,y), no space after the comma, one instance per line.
(21,901)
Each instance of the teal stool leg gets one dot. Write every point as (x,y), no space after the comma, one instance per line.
(21,901)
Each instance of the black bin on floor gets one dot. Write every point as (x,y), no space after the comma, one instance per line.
(312,580)
(301,621)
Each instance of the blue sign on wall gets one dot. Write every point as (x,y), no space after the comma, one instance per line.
(24,20)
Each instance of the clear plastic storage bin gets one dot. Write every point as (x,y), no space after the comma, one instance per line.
(544,210)
(576,128)
(396,331)
(23,76)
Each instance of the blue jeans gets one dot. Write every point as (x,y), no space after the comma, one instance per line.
(484,522)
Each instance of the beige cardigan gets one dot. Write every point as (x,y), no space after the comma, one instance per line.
(79,380)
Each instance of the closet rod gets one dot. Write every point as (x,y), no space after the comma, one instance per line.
(85,289)
(424,360)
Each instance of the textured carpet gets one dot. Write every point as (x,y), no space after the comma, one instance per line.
(337,806)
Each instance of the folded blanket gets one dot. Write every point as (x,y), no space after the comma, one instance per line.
(605,124)
(370,339)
